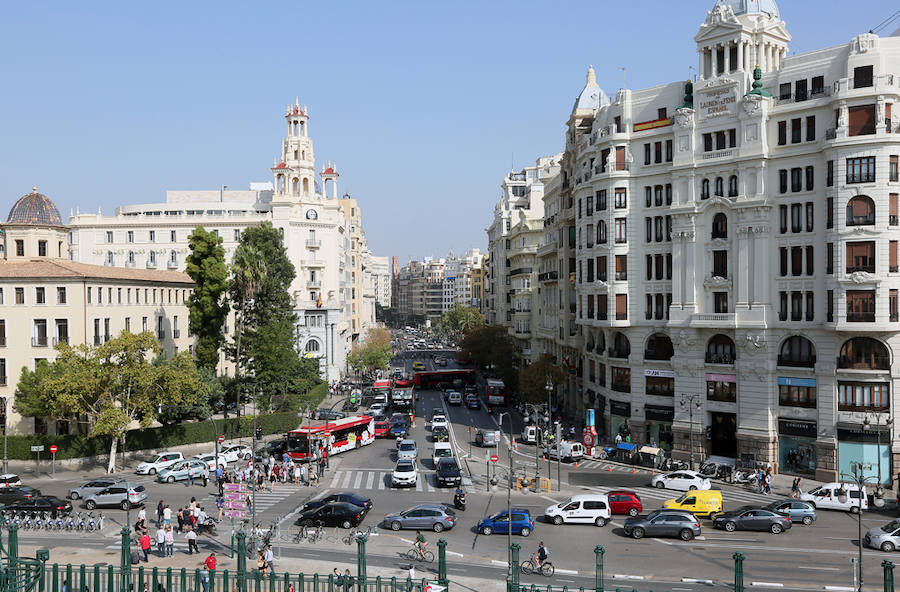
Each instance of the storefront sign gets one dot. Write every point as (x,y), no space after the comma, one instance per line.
(791,427)
(718,102)
(786,381)
(659,413)
(619,408)
(722,378)
(659,373)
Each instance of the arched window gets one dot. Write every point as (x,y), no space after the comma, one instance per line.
(732,186)
(621,347)
(864,353)
(601,232)
(305,186)
(659,347)
(601,342)
(720,350)
(720,187)
(797,351)
(720,226)
(312,346)
(704,189)
(861,211)
(295,186)
(589,346)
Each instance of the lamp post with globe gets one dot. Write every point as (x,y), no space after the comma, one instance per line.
(867,423)
(857,475)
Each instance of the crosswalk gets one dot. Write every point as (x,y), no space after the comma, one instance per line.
(264,499)
(376,480)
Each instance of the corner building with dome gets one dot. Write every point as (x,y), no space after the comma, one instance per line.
(736,251)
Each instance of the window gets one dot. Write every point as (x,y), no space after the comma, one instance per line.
(621,307)
(20,248)
(602,307)
(810,260)
(20,295)
(784,90)
(782,218)
(892,256)
(810,178)
(621,267)
(810,307)
(648,196)
(657,152)
(707,143)
(621,198)
(893,306)
(649,230)
(796,180)
(42,248)
(861,170)
(720,140)
(862,76)
(129,236)
(646,153)
(658,264)
(790,395)
(648,312)
(811,128)
(860,306)
(668,194)
(829,173)
(669,151)
(601,232)
(621,379)
(172,236)
(796,306)
(829,314)
(861,211)
(617,120)
(783,252)
(720,264)
(732,138)
(658,195)
(589,206)
(621,230)
(861,120)
(892,209)
(658,225)
(810,216)
(829,213)
(783,306)
(892,168)
(109,236)
(621,165)
(797,351)
(782,133)
(796,218)
(717,390)
(40,296)
(796,136)
(856,396)
(782,181)
(660,386)
(732,186)
(704,189)
(720,350)
(829,258)
(720,187)
(601,200)
(796,261)
(668,266)
(60,295)
(720,302)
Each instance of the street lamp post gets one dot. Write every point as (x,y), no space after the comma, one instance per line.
(867,423)
(689,402)
(508,497)
(857,476)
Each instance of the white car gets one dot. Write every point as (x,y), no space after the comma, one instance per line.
(158,462)
(405,474)
(454,398)
(571,451)
(407,450)
(210,459)
(681,481)
(236,452)
(377,408)
(439,420)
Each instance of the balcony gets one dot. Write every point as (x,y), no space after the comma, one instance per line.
(313,244)
(860,317)
(869,363)
(718,154)
(621,316)
(866,268)
(520,271)
(314,263)
(621,275)
(719,358)
(60,339)
(652,354)
(866,177)
(794,363)
(39,341)
(548,276)
(313,284)
(618,353)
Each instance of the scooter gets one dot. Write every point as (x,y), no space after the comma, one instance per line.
(459,501)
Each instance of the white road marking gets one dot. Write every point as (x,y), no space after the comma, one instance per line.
(767,584)
(570,572)
(418,484)
(455,554)
(370,480)
(626,577)
(337,476)
(347,478)
(695,581)
(815,568)
(358,481)
(496,562)
(839,588)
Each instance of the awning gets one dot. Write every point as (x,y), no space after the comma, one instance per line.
(650,450)
(626,446)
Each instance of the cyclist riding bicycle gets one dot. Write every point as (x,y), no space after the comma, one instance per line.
(540,555)
(420,543)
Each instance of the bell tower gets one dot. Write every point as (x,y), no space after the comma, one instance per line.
(294,175)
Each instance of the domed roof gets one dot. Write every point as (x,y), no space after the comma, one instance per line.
(592,96)
(35,209)
(751,6)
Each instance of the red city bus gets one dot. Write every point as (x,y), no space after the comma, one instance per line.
(494,391)
(382,387)
(344,434)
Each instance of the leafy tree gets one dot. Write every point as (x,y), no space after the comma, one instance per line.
(30,399)
(248,270)
(373,353)
(207,305)
(533,382)
(460,320)
(493,350)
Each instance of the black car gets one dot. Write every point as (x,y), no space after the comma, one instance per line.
(341,514)
(52,505)
(440,434)
(274,448)
(329,414)
(340,497)
(750,518)
(447,472)
(15,493)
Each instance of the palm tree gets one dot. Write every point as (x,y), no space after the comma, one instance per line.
(248,270)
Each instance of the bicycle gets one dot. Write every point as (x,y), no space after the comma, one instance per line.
(413,554)
(545,569)
(355,533)
(315,534)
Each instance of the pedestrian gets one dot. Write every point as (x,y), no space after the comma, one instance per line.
(204,579)
(191,537)
(190,476)
(269,557)
(767,484)
(273,477)
(303,474)
(142,514)
(210,562)
(170,542)
(65,586)
(325,456)
(298,474)
(145,545)
(795,488)
(313,477)
(220,504)
(180,519)
(618,439)
(261,563)
(161,542)
(159,513)
(167,514)
(205,477)
(348,580)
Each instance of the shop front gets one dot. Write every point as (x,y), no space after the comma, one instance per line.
(619,413)
(797,447)
(867,445)
(659,426)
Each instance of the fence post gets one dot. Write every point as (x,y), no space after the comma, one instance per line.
(888,567)
(361,560)
(110,578)
(442,561)
(241,537)
(12,546)
(125,559)
(599,551)
(43,555)
(97,579)
(513,582)
(738,572)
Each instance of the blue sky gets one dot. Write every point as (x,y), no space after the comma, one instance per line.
(423,105)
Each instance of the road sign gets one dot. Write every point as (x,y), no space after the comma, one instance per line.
(39,448)
(236,513)
(54,448)
(494,458)
(221,439)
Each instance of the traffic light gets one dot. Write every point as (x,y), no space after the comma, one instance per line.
(259,433)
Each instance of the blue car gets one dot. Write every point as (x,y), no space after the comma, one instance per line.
(399,429)
(522,523)
(796,510)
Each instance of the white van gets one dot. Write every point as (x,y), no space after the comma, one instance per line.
(441,450)
(827,495)
(580,509)
(529,434)
(569,451)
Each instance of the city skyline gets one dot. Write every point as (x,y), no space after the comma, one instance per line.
(149,107)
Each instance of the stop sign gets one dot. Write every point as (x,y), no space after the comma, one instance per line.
(54,448)
(494,458)
(221,439)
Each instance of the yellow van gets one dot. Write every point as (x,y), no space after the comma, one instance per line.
(701,502)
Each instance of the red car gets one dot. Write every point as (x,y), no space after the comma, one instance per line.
(625,502)
(382,429)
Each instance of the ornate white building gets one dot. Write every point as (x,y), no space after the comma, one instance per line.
(324,241)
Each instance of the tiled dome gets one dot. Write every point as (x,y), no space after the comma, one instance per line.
(35,209)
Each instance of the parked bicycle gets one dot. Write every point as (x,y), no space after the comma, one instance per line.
(355,533)
(545,569)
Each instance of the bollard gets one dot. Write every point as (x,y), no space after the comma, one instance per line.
(513,581)
(888,567)
(599,551)
(442,562)
(241,559)
(738,572)
(125,559)
(360,558)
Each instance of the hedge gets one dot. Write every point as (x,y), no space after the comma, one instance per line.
(169,436)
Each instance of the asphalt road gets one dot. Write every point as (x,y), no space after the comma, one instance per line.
(802,558)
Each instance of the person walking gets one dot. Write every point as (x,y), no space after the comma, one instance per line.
(181,520)
(205,477)
(767,484)
(298,474)
(145,545)
(190,482)
(161,542)
(795,488)
(191,537)
(167,514)
(220,504)
(170,542)
(304,477)
(159,513)
(269,557)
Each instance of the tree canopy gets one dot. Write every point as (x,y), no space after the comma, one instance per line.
(460,320)
(373,352)
(493,350)
(533,382)
(207,305)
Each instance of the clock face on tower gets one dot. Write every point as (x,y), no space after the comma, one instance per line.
(311,215)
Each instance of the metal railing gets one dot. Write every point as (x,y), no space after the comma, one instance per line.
(809,362)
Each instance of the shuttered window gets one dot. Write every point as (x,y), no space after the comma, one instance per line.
(892,209)
(620,158)
(621,267)
(602,307)
(862,120)
(621,307)
(892,259)
(861,256)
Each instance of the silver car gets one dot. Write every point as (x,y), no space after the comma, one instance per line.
(123,495)
(92,487)
(407,450)
(436,517)
(181,471)
(886,538)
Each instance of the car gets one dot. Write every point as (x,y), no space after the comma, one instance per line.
(886,538)
(436,517)
(472,402)
(399,429)
(448,473)
(52,505)
(591,508)
(157,462)
(440,361)
(622,501)
(407,450)
(349,497)
(570,451)
(449,392)
(379,417)
(382,429)
(236,452)
(343,514)
(454,399)
(486,438)
(210,459)
(439,420)
(440,434)
(752,518)
(663,523)
(441,450)
(681,481)
(418,365)
(92,487)
(123,495)
(375,409)
(436,411)
(405,474)
(327,414)
(799,511)
(500,523)
(181,471)
(9,479)
(15,492)
(701,502)
(838,496)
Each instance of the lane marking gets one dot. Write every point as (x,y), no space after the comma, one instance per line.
(839,588)
(347,479)
(358,482)
(370,480)
(570,572)
(815,568)
(767,584)
(696,581)
(334,482)
(497,562)
(381,477)
(455,554)
(624,577)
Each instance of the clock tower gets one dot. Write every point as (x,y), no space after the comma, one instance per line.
(294,175)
